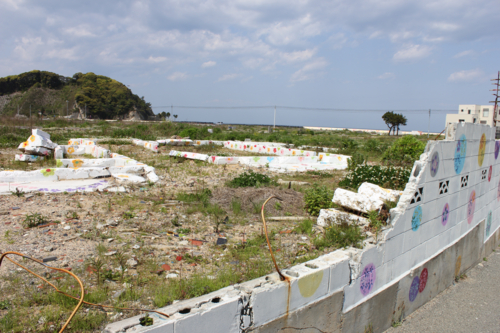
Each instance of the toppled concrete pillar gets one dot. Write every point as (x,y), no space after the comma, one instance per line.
(376,192)
(356,201)
(331,216)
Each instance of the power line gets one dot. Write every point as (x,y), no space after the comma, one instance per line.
(299,108)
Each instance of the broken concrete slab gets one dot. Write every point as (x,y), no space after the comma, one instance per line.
(331,216)
(356,201)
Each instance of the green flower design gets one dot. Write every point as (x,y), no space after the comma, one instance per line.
(256,158)
(48,172)
(59,163)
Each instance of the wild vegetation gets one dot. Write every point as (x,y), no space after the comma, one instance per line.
(53,94)
(223,202)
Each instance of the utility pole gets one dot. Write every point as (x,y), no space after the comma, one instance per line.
(496,112)
(274,117)
(429,127)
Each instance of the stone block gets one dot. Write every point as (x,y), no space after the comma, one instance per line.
(332,216)
(356,201)
(393,247)
(376,192)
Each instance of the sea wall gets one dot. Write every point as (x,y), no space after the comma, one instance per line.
(446,220)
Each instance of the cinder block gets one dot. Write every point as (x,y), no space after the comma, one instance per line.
(377,312)
(322,316)
(401,265)
(393,247)
(223,316)
(340,273)
(418,255)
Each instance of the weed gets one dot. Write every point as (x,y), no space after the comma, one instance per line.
(340,236)
(175,221)
(184,231)
(128,215)
(278,206)
(72,215)
(34,220)
(404,151)
(305,227)
(217,214)
(375,222)
(251,179)
(369,328)
(5,304)
(236,206)
(256,206)
(317,198)
(485,259)
(18,193)
(396,323)
(389,177)
(97,264)
(355,160)
(146,320)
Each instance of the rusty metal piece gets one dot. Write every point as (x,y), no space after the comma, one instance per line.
(282,277)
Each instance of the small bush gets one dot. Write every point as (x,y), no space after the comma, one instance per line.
(404,151)
(317,198)
(340,236)
(305,227)
(388,177)
(251,179)
(355,160)
(34,220)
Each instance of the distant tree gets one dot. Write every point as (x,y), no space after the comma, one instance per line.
(163,115)
(175,116)
(393,121)
(168,115)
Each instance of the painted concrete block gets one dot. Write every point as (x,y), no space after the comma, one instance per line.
(393,247)
(401,264)
(418,255)
(212,317)
(356,201)
(357,319)
(27,158)
(338,262)
(321,316)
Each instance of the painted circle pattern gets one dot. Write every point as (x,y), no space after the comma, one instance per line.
(446,214)
(434,164)
(460,151)
(471,206)
(497,149)
(488,223)
(415,284)
(367,279)
(416,219)
(482,150)
(423,280)
(490,173)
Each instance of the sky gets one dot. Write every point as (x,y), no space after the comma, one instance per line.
(348,56)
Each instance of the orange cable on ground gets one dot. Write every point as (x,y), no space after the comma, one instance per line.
(282,277)
(80,300)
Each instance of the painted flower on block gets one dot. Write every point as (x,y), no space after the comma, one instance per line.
(48,172)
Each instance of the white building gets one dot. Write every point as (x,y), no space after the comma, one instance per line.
(473,113)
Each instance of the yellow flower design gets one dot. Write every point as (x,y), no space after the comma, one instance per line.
(77,163)
(32,138)
(71,150)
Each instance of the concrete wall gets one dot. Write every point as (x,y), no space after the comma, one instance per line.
(446,220)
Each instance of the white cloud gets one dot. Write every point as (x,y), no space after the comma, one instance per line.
(208,64)
(309,70)
(466,76)
(464,54)
(386,76)
(297,56)
(79,31)
(412,52)
(228,77)
(156,59)
(281,33)
(177,76)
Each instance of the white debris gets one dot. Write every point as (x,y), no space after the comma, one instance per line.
(356,201)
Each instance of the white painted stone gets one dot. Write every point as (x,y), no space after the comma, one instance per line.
(356,201)
(376,192)
(331,216)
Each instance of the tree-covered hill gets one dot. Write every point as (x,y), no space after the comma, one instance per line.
(54,94)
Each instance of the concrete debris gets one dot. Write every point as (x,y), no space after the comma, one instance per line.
(328,217)
(356,201)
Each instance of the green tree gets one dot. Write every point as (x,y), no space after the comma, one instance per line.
(393,121)
(168,115)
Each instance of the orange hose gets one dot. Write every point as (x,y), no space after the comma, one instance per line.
(80,300)
(282,277)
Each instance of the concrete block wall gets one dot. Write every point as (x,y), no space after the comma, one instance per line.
(445,222)
(273,148)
